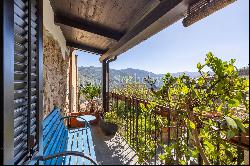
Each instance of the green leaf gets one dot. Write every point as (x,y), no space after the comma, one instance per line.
(183,162)
(162,157)
(233,103)
(230,134)
(194,153)
(220,107)
(231,123)
(199,66)
(240,125)
(191,124)
(230,68)
(142,106)
(228,153)
(185,89)
(209,145)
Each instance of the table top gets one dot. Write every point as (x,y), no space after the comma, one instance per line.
(86,117)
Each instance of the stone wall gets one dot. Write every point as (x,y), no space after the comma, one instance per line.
(55,74)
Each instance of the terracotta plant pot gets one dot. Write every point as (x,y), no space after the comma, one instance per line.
(74,123)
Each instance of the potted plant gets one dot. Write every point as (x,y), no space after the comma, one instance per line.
(109,123)
(93,104)
(91,93)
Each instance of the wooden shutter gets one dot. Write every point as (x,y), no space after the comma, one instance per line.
(6,82)
(26,79)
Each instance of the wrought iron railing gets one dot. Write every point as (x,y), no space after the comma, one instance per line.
(150,132)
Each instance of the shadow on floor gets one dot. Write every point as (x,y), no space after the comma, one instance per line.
(112,150)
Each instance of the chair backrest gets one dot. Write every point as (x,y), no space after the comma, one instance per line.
(54,135)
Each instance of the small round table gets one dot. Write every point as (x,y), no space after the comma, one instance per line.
(86,118)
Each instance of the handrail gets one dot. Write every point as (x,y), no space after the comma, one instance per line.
(159,108)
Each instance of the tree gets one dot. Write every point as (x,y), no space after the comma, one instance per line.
(207,96)
(90,91)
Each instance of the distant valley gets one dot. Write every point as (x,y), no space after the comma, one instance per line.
(119,77)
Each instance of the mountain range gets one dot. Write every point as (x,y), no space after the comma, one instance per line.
(119,77)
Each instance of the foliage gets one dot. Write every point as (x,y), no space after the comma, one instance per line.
(199,107)
(91,92)
(111,117)
(138,90)
(216,94)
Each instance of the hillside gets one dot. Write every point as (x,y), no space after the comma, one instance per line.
(118,77)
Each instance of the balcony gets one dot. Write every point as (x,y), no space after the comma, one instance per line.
(143,137)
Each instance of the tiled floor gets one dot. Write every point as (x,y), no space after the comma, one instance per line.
(112,150)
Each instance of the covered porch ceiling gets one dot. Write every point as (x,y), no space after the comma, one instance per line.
(111,27)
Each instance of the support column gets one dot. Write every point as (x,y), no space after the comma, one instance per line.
(105,83)
(73,82)
(77,88)
(105,80)
(70,81)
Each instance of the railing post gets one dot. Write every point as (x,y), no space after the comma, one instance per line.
(145,124)
(239,149)
(136,122)
(155,136)
(218,145)
(168,118)
(130,125)
(200,161)
(133,118)
(126,118)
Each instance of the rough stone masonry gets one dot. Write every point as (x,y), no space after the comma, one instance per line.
(56,75)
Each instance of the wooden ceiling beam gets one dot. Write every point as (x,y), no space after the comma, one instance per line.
(88,26)
(86,48)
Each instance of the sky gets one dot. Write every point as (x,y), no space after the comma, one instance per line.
(225,33)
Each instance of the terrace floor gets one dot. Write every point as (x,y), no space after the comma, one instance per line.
(112,150)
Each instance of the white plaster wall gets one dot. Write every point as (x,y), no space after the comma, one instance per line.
(48,22)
